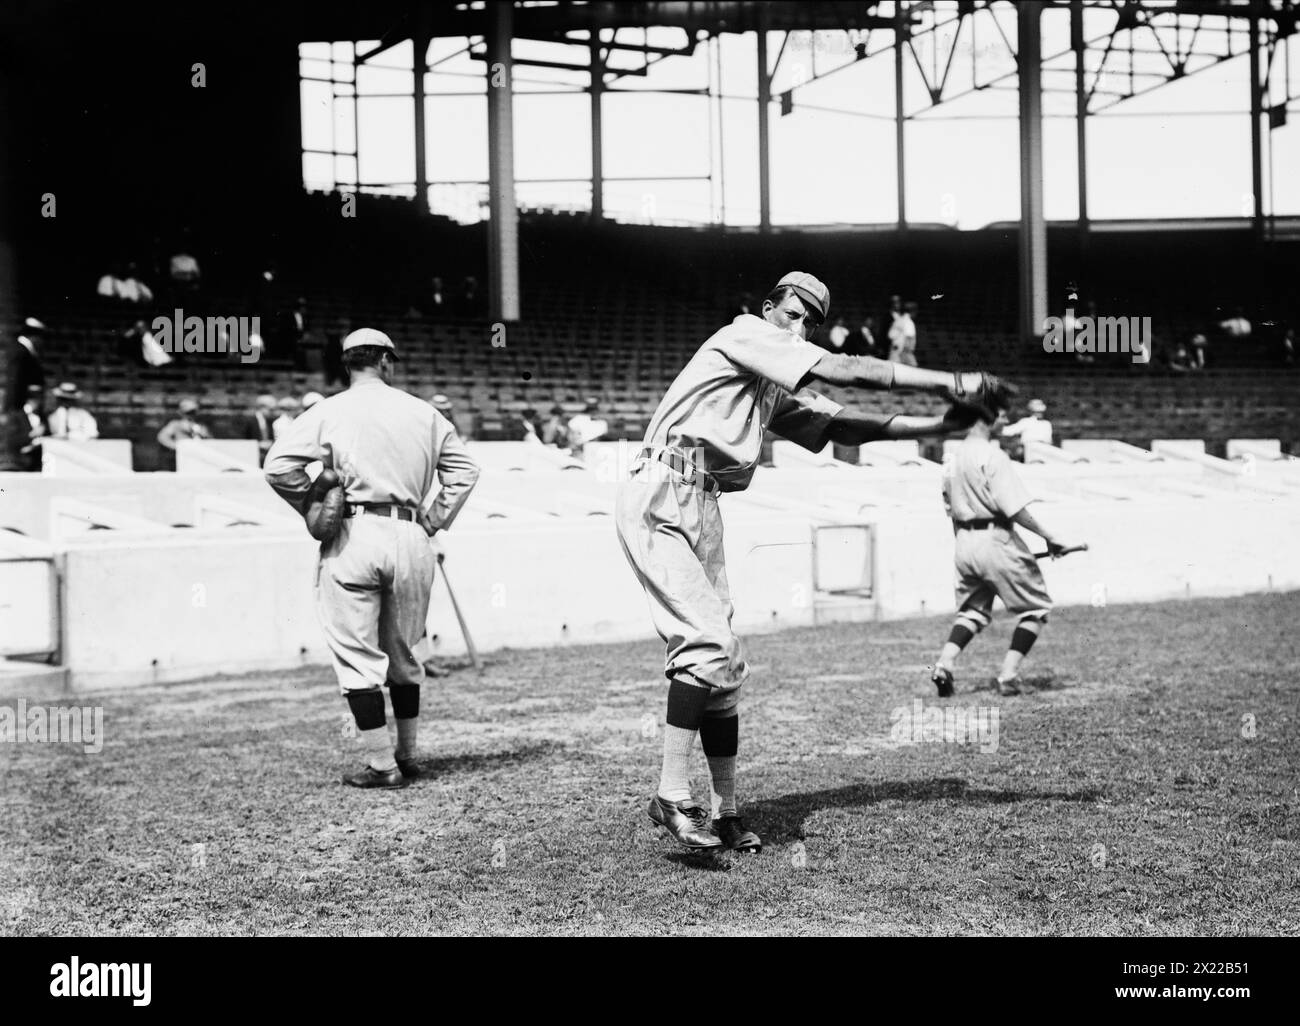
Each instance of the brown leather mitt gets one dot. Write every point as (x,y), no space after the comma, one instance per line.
(325,501)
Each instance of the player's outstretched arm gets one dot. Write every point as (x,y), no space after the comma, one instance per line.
(854,427)
(975,388)
(1029,522)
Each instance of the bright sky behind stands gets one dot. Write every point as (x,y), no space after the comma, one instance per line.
(1183,150)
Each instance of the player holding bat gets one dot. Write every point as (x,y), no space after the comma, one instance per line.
(985,497)
(704,439)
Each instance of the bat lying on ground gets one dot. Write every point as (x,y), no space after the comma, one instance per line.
(1062,552)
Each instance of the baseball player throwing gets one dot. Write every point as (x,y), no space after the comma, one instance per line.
(385,448)
(705,438)
(984,496)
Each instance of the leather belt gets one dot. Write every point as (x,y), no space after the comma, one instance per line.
(981,523)
(381,509)
(691,474)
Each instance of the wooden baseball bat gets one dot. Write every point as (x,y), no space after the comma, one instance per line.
(460,618)
(1064,552)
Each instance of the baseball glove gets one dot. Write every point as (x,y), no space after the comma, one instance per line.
(992,395)
(324,511)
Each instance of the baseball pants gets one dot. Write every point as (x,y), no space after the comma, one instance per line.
(671,533)
(997,563)
(372,598)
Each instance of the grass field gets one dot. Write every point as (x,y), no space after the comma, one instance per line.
(1125,796)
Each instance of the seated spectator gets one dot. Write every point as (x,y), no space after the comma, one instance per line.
(332,353)
(185,279)
(291,331)
(1180,361)
(434,304)
(184,269)
(259,426)
(310,399)
(1073,325)
(288,409)
(585,427)
(69,420)
(1236,326)
(1199,345)
(125,289)
(27,370)
(444,406)
(902,336)
(555,431)
(138,346)
(838,336)
(529,426)
(37,428)
(744,305)
(182,426)
(471,303)
(866,341)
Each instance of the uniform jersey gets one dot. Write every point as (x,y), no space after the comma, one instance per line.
(742,381)
(387,447)
(980,482)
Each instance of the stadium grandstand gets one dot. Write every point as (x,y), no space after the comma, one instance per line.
(149,132)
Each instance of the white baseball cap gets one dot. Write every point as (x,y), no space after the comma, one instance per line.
(370,337)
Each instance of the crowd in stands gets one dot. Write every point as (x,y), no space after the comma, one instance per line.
(600,335)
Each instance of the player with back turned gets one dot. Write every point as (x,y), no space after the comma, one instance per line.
(705,438)
(386,450)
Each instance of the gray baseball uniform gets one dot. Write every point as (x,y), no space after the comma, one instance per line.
(373,579)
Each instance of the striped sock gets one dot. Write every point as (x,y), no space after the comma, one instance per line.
(685,713)
(720,738)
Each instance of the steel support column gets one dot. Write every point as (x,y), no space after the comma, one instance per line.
(764,102)
(420,44)
(1256,133)
(1033,226)
(597,144)
(503,214)
(900,120)
(1080,110)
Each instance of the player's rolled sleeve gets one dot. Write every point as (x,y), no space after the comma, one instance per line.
(457,473)
(1005,487)
(768,351)
(804,418)
(286,463)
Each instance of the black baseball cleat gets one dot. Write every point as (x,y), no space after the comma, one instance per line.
(687,821)
(370,777)
(941,678)
(731,829)
(409,768)
(1010,686)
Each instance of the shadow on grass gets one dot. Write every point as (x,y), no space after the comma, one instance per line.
(436,767)
(777,819)
(1030,683)
(704,861)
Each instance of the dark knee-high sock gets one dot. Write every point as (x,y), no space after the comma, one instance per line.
(720,739)
(406,711)
(1022,640)
(685,714)
(958,638)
